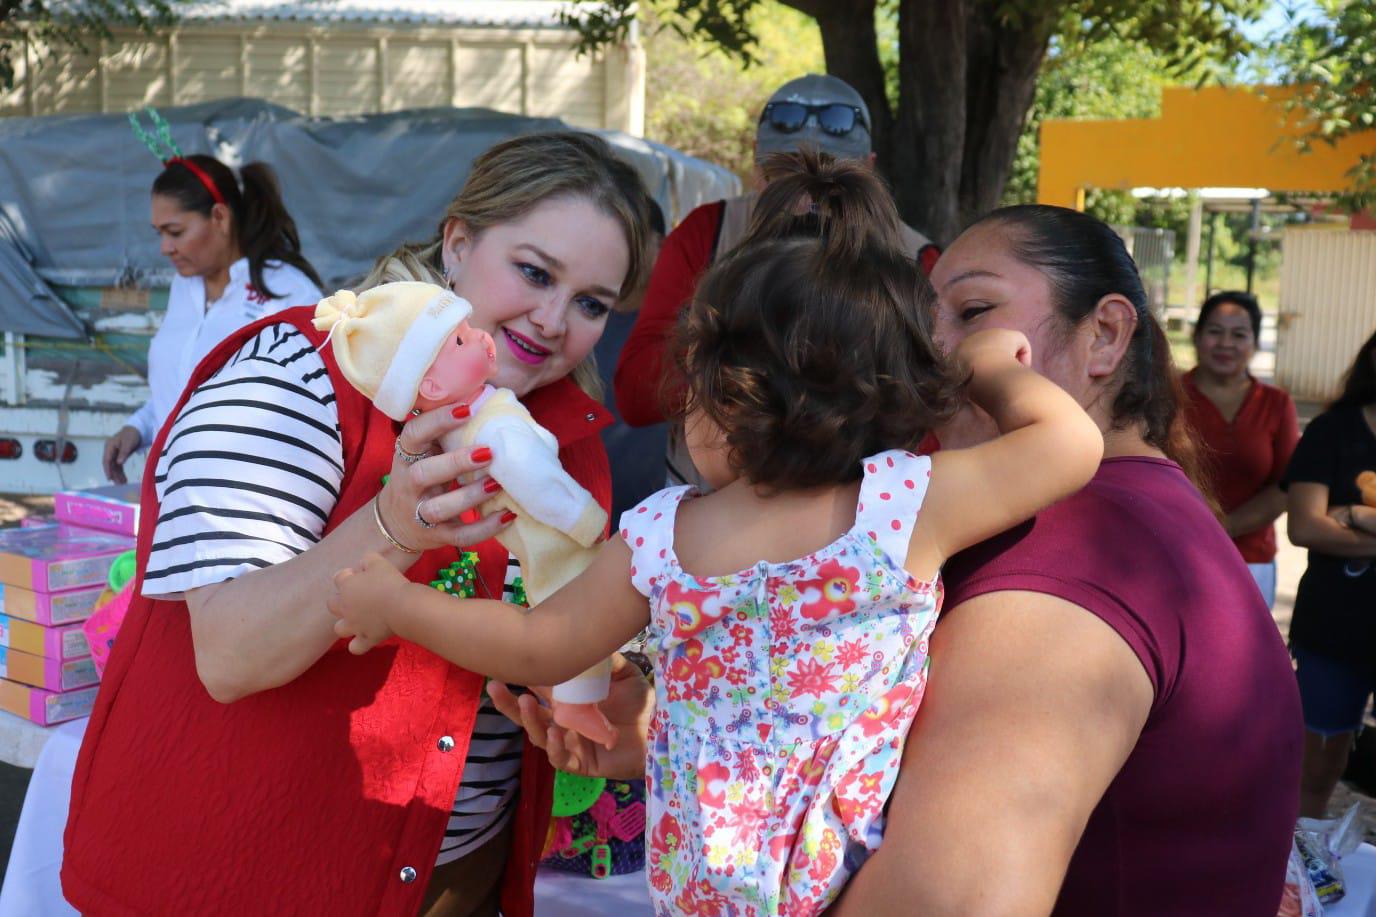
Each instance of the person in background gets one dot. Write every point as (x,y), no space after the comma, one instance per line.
(813,111)
(238,257)
(1333,632)
(1248,429)
(636,453)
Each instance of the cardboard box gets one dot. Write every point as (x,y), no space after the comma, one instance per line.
(64,642)
(54,558)
(113,508)
(46,708)
(49,674)
(49,608)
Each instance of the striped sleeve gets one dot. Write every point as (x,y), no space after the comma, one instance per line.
(251,469)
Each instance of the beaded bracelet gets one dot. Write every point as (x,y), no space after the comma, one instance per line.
(377,516)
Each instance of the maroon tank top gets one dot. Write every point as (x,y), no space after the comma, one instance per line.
(1199,820)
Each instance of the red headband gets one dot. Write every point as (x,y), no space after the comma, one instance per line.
(199,173)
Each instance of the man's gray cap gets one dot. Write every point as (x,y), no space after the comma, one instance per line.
(817,89)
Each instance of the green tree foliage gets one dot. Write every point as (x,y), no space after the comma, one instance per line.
(949,111)
(1331,59)
(702,101)
(71,23)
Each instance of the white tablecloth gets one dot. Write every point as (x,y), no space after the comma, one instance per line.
(1359,870)
(32,886)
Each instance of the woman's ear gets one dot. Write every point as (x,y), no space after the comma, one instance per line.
(1114,321)
(221,218)
(458,241)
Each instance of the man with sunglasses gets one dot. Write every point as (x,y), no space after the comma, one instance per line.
(820,112)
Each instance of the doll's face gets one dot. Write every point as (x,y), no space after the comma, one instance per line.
(467,359)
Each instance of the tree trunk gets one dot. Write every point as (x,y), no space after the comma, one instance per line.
(851,47)
(966,82)
(924,160)
(1002,63)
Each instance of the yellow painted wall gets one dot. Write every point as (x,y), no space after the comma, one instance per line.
(1212,137)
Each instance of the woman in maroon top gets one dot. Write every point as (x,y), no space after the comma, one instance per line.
(1248,429)
(1111,727)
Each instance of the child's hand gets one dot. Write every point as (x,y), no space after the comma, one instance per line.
(992,348)
(362,600)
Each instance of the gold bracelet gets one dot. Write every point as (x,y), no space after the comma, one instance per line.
(377,517)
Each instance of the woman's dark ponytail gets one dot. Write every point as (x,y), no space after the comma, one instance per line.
(263,228)
(266,229)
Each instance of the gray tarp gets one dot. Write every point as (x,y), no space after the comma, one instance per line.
(74,189)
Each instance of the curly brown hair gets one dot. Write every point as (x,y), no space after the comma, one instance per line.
(812,351)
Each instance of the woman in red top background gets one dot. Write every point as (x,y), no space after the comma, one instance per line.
(1248,429)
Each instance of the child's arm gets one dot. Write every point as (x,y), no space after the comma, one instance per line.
(1048,449)
(580,625)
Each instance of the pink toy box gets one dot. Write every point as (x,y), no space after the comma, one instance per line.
(114,508)
(65,642)
(49,674)
(46,708)
(49,608)
(53,558)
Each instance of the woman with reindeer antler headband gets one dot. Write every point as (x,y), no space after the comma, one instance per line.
(238,257)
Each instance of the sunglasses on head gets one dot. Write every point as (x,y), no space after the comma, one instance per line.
(835,118)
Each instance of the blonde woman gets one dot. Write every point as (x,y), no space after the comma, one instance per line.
(238,760)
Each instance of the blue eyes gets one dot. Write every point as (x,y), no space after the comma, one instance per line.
(538,276)
(590,306)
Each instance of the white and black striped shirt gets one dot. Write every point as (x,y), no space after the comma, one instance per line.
(248,477)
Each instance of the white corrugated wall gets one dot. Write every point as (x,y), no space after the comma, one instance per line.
(323,69)
(1327,307)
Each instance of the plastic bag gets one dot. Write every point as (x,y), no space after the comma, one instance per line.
(1321,844)
(103,624)
(1298,899)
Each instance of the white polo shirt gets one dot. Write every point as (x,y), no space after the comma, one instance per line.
(192,327)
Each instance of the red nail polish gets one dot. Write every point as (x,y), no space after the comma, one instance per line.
(508,516)
(481,454)
(460,412)
(490,486)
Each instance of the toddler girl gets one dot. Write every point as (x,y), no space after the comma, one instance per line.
(788,610)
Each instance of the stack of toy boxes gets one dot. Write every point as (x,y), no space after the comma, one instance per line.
(50,579)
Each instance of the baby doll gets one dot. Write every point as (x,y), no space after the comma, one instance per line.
(409,346)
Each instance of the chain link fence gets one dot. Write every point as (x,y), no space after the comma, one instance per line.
(1153,250)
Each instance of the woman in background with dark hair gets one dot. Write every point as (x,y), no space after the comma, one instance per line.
(1249,429)
(1111,725)
(238,257)
(1333,632)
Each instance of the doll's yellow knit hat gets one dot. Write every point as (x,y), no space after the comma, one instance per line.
(385,338)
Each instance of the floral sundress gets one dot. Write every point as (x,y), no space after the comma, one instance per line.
(784,694)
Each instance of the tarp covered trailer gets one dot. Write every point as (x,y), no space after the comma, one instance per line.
(83,287)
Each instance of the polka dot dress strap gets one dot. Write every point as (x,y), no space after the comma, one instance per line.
(891,496)
(648,530)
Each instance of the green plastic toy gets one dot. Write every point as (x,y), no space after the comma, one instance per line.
(122,571)
(574,794)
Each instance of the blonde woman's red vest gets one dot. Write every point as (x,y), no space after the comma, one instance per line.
(311,798)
